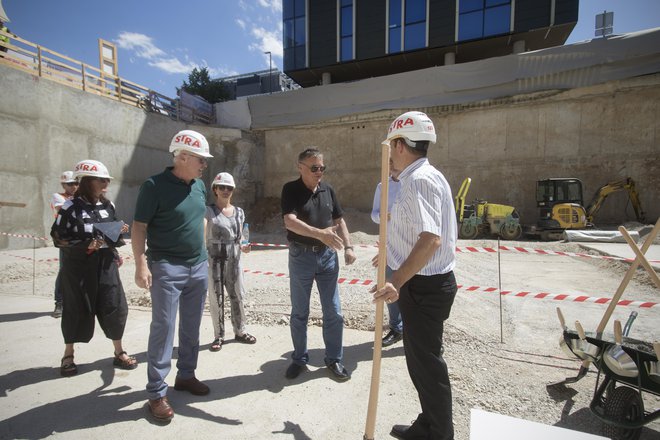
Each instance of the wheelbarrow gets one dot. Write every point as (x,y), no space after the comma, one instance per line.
(632,364)
(627,368)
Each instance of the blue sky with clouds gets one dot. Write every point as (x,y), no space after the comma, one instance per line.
(161,41)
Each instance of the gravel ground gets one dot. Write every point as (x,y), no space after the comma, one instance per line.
(502,352)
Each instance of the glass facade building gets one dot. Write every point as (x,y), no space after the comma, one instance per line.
(346,40)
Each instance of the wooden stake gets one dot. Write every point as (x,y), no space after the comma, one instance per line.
(382,263)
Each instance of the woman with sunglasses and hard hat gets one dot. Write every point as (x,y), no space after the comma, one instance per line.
(87,232)
(224,226)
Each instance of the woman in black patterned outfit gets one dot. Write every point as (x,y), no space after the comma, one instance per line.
(87,231)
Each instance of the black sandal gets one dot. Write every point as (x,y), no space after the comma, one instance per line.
(130,363)
(246,338)
(216,345)
(68,368)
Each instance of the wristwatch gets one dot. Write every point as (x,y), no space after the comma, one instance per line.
(348,247)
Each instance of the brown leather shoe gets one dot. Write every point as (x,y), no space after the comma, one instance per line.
(192,385)
(161,409)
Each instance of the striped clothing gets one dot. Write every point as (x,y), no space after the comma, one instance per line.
(424,204)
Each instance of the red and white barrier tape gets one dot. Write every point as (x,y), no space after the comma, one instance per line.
(24,236)
(487,250)
(490,250)
(522,294)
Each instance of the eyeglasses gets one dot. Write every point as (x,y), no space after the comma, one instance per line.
(225,187)
(202,160)
(314,168)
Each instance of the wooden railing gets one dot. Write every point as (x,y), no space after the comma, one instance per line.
(45,63)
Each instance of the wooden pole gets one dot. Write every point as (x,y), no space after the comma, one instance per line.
(382,263)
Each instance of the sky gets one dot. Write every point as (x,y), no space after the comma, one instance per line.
(160,41)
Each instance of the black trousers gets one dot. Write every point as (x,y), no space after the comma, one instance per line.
(91,288)
(425,303)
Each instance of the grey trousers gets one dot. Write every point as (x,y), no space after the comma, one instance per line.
(226,279)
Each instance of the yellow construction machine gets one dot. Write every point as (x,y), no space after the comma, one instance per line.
(561,205)
(482,217)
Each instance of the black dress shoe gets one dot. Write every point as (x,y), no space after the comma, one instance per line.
(294,370)
(392,338)
(339,371)
(408,432)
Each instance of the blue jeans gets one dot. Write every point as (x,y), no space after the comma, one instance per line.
(174,287)
(305,266)
(396,323)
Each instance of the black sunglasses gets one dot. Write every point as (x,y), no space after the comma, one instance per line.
(315,168)
(225,187)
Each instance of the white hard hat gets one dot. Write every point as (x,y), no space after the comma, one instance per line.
(224,179)
(67,177)
(191,141)
(414,126)
(90,168)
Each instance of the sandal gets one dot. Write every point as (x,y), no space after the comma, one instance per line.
(246,338)
(216,345)
(68,368)
(130,363)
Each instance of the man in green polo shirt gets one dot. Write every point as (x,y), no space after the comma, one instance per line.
(169,216)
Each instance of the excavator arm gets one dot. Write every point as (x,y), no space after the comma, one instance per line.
(627,184)
(459,200)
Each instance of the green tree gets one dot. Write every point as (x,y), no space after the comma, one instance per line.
(200,83)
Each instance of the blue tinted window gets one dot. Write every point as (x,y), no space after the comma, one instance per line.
(415,36)
(299,7)
(395,13)
(395,40)
(346,21)
(299,31)
(482,18)
(497,20)
(287,33)
(415,11)
(346,30)
(300,57)
(470,5)
(470,25)
(347,48)
(289,60)
(294,34)
(287,8)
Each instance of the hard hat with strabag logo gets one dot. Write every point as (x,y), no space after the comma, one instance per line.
(67,177)
(190,141)
(90,168)
(414,126)
(224,179)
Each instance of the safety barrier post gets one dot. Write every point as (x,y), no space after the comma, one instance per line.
(499,288)
(34,265)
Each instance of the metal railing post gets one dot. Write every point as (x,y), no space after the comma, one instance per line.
(39,60)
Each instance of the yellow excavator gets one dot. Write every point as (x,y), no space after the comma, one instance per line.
(482,217)
(561,205)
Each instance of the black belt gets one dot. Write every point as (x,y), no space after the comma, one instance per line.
(309,247)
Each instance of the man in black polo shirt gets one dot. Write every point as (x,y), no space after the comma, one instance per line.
(316,232)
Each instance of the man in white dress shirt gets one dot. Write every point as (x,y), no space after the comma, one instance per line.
(421,246)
